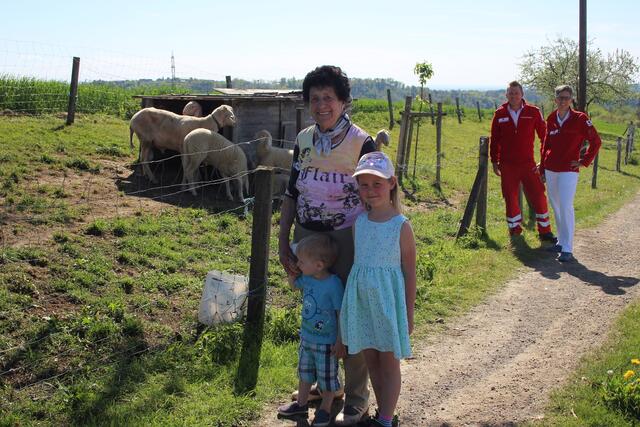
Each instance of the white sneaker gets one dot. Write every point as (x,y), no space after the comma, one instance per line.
(350,415)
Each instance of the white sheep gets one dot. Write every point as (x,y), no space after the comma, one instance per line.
(165,130)
(268,155)
(211,148)
(382,137)
(193,108)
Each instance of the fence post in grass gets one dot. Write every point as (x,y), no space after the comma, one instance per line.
(433,119)
(390,109)
(458,112)
(407,152)
(594,178)
(483,164)
(73,91)
(438,144)
(495,105)
(247,375)
(299,110)
(542,110)
(228,81)
(479,112)
(473,200)
(402,139)
(619,153)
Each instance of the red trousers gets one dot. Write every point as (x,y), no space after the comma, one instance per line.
(527,174)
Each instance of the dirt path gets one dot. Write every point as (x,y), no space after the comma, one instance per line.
(497,364)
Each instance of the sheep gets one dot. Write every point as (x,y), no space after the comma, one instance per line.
(203,145)
(165,130)
(382,137)
(193,108)
(268,155)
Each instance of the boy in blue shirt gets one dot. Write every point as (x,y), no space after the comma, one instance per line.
(320,344)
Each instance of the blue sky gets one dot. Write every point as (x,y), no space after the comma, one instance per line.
(471,44)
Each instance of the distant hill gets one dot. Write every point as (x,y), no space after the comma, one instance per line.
(360,88)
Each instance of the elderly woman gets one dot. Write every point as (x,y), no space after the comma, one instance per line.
(560,162)
(322,197)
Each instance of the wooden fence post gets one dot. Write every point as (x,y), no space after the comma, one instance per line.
(228,80)
(458,112)
(619,153)
(479,112)
(73,91)
(483,164)
(438,144)
(402,140)
(391,121)
(299,111)
(594,178)
(473,199)
(542,110)
(407,152)
(247,375)
(433,119)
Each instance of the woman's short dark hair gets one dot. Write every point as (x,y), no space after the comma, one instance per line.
(327,76)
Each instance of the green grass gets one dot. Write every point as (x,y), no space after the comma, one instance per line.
(109,302)
(583,396)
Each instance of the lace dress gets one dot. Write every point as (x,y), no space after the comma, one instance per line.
(374,311)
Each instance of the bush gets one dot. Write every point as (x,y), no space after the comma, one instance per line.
(220,344)
(621,390)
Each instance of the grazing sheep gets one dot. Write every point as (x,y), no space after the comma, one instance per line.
(268,155)
(193,108)
(203,145)
(165,130)
(382,137)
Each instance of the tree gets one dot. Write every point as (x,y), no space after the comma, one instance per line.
(424,70)
(610,78)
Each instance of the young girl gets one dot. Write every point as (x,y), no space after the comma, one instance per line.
(377,314)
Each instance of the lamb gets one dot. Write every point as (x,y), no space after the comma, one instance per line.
(268,155)
(203,145)
(165,130)
(193,108)
(382,137)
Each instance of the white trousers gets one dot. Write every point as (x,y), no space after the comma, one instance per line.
(561,190)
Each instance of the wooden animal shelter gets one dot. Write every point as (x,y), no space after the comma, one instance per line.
(281,112)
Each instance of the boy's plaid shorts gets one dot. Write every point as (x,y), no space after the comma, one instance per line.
(317,364)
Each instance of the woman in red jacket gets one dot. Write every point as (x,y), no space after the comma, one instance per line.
(567,129)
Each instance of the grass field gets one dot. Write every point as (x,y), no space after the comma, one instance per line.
(99,285)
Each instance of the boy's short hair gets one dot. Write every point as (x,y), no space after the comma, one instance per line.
(320,247)
(563,88)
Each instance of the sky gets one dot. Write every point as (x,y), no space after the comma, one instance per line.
(471,44)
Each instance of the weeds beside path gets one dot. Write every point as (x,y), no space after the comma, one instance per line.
(497,364)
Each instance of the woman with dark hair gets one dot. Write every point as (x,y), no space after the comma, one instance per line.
(322,197)
(560,163)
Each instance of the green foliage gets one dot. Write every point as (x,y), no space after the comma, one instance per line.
(283,325)
(424,71)
(621,390)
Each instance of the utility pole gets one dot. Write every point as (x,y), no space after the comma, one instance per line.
(173,71)
(582,58)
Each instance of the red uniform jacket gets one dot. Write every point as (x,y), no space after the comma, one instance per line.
(563,144)
(511,144)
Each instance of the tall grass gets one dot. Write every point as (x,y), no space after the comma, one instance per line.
(27,95)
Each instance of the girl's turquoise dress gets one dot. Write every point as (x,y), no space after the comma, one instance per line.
(374,310)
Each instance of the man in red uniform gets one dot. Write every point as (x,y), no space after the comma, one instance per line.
(513,130)
(560,162)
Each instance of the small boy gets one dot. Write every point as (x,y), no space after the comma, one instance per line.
(319,340)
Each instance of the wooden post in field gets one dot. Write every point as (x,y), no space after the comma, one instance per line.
(438,144)
(479,112)
(627,150)
(495,105)
(619,153)
(483,164)
(390,109)
(542,110)
(73,91)
(247,375)
(594,178)
(458,112)
(473,199)
(402,139)
(407,151)
(433,119)
(228,80)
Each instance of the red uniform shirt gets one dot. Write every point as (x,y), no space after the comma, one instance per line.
(563,143)
(514,144)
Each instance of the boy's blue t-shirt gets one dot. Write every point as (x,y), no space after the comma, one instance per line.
(320,301)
